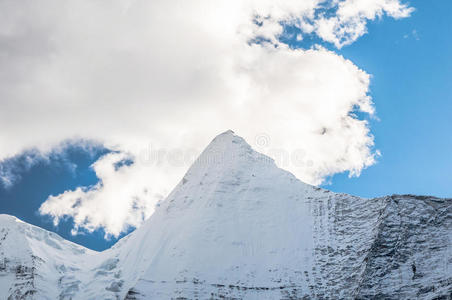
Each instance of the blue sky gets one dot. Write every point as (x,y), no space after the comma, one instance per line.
(45,178)
(411,86)
(411,67)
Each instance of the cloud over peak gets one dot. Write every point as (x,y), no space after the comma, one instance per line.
(161,78)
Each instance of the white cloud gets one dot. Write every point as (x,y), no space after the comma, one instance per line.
(350,20)
(170,75)
(120,200)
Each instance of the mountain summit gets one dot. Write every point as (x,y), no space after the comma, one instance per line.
(238,227)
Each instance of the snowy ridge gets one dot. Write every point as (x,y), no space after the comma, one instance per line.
(38,263)
(238,227)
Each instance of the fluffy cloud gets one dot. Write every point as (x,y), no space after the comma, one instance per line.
(122,199)
(164,77)
(349,22)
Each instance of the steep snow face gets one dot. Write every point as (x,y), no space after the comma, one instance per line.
(238,227)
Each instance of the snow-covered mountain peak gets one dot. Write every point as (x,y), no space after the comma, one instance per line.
(226,151)
(36,261)
(227,166)
(239,227)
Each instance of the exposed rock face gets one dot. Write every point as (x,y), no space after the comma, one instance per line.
(238,227)
(411,256)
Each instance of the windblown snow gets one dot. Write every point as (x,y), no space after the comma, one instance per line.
(238,227)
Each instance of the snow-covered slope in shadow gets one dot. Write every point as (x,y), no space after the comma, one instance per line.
(38,264)
(238,227)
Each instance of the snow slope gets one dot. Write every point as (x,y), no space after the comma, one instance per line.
(238,227)
(38,264)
